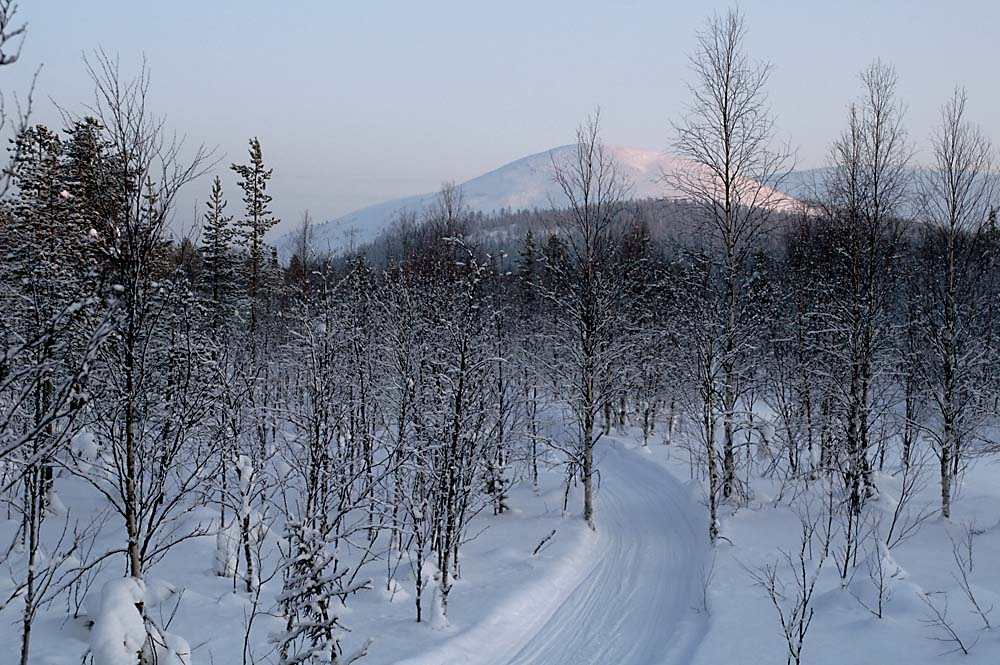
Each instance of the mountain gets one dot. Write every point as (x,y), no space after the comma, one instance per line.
(523,184)
(807,184)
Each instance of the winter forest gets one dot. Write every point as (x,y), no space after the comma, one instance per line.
(750,420)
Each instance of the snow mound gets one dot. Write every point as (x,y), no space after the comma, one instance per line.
(121,636)
(119,633)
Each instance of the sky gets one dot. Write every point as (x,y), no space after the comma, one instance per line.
(361,101)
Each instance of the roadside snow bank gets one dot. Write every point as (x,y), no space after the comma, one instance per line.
(555,573)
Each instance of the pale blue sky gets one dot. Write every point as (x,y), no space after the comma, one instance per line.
(358,102)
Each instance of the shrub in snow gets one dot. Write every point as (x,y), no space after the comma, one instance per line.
(85,451)
(165,648)
(439,619)
(54,506)
(394,592)
(312,601)
(119,632)
(438,611)
(790,583)
(121,635)
(874,583)
(245,474)
(227,550)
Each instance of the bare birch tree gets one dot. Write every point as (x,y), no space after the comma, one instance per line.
(150,169)
(865,193)
(957,196)
(728,134)
(587,289)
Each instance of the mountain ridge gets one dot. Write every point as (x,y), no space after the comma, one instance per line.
(526,183)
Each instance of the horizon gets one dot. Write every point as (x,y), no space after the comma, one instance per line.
(346,125)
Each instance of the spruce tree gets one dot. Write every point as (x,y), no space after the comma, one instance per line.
(44,241)
(218,267)
(311,600)
(90,172)
(42,296)
(40,239)
(251,229)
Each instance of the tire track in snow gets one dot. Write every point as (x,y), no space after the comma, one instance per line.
(636,606)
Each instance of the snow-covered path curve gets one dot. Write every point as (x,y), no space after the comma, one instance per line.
(637,604)
(627,596)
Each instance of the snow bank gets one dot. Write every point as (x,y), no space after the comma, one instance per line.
(518,617)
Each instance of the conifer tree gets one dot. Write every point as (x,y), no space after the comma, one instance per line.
(90,173)
(218,270)
(40,245)
(42,270)
(41,373)
(256,222)
(527,271)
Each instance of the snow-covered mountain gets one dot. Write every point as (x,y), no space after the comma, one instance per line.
(807,184)
(526,183)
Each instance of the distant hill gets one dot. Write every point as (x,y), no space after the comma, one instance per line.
(525,184)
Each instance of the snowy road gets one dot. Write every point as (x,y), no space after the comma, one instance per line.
(627,598)
(636,605)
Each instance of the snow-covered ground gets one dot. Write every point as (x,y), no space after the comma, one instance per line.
(504,590)
(645,588)
(742,623)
